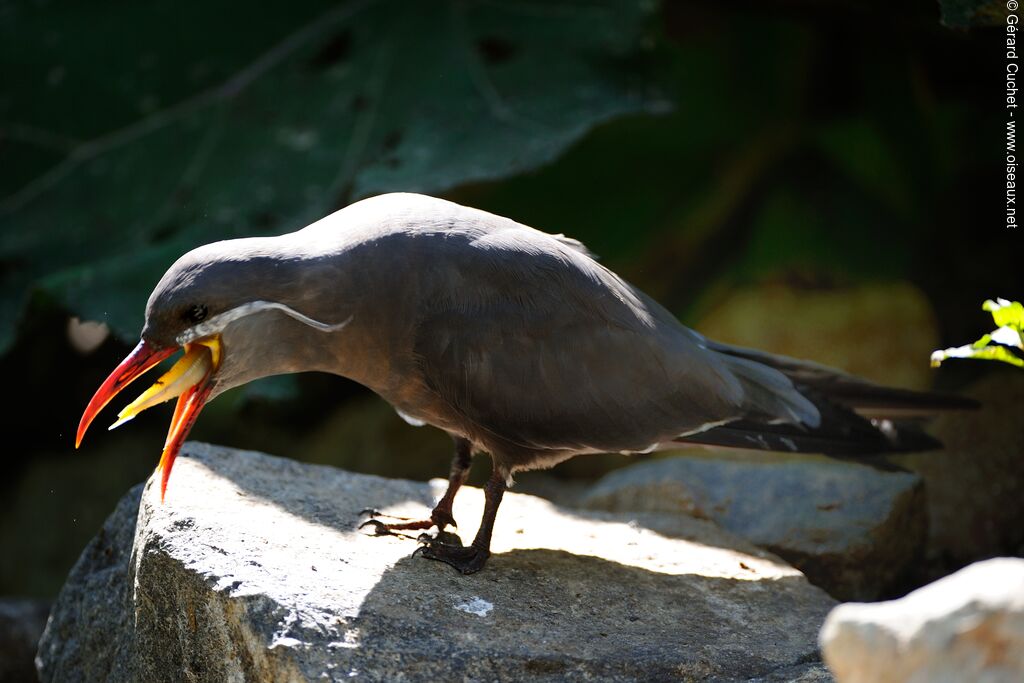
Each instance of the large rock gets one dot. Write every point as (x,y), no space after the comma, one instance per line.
(852,529)
(253,570)
(966,627)
(975,484)
(21,624)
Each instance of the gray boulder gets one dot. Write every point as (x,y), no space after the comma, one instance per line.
(21,624)
(966,627)
(852,529)
(976,483)
(252,569)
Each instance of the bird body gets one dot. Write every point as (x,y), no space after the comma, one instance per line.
(473,323)
(514,341)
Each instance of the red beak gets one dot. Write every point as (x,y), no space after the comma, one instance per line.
(181,381)
(142,358)
(185,413)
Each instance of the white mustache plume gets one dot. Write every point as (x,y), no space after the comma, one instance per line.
(218,322)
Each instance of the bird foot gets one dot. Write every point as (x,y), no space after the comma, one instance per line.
(373,513)
(438,518)
(382,529)
(448,548)
(379,528)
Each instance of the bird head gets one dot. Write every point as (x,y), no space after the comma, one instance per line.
(219,304)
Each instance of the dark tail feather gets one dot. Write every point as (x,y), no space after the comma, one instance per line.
(866,398)
(857,438)
(858,418)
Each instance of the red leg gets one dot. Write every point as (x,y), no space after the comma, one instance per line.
(461,461)
(441,515)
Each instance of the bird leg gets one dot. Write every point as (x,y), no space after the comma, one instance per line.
(471,558)
(441,515)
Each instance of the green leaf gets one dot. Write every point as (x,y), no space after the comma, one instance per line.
(1004,344)
(165,126)
(1000,353)
(1006,313)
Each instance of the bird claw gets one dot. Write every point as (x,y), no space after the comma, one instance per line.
(394,528)
(447,547)
(374,512)
(379,527)
(438,518)
(382,529)
(441,537)
(468,559)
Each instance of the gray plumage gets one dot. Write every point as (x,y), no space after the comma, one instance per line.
(514,341)
(503,331)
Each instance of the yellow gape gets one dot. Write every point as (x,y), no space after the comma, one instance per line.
(201,357)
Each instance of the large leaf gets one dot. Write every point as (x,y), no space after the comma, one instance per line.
(132,134)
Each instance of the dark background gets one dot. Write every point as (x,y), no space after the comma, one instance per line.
(822,179)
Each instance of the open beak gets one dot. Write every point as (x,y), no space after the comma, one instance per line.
(188,381)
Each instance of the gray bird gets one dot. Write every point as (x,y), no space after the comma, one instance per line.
(516,342)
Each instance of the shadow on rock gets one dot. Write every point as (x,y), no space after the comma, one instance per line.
(252,570)
(552,614)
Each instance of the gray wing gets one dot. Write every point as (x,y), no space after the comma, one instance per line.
(547,349)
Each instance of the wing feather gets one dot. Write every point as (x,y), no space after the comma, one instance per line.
(547,349)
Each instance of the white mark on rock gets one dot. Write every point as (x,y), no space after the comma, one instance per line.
(477,606)
(790,444)
(350,640)
(285,641)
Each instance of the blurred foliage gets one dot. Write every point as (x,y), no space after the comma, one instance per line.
(163,126)
(820,147)
(812,151)
(837,326)
(1005,344)
(968,13)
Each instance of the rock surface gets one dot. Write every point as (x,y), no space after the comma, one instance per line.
(966,627)
(21,624)
(975,484)
(852,529)
(253,570)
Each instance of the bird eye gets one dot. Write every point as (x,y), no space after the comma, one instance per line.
(196,313)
